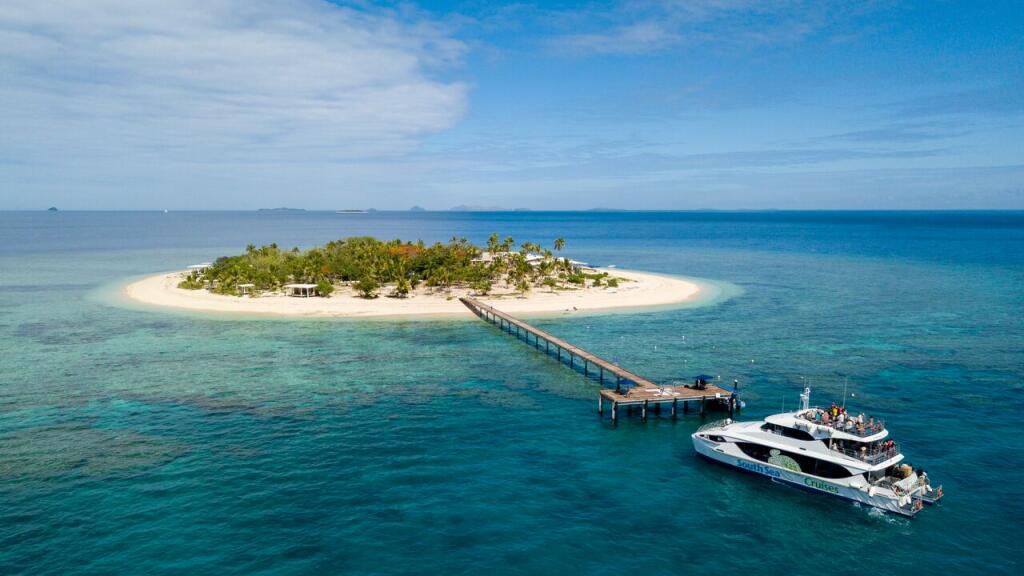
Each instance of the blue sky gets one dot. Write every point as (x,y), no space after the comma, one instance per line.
(646,104)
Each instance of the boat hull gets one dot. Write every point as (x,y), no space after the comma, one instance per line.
(723,453)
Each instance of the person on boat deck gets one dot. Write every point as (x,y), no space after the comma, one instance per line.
(817,416)
(834,410)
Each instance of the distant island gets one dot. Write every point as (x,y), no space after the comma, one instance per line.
(476,208)
(417,209)
(51,209)
(364,276)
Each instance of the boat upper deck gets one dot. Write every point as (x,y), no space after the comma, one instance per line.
(859,427)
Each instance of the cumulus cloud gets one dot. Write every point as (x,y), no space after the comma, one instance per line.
(220,80)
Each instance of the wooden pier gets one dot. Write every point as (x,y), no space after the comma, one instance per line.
(631,390)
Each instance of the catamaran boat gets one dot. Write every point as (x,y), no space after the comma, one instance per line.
(850,457)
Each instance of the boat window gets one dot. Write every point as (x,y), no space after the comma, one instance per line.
(755,451)
(796,434)
(827,469)
(787,432)
(792,460)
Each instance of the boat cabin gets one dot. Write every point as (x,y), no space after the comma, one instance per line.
(871,447)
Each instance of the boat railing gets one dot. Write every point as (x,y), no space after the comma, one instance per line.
(870,456)
(713,425)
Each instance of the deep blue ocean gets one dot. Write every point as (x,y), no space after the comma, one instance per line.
(141,441)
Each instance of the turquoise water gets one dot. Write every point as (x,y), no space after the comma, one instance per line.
(138,441)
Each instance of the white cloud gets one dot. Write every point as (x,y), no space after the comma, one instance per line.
(638,38)
(219,80)
(634,27)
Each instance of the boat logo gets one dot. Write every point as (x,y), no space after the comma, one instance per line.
(779,459)
(758,468)
(821,485)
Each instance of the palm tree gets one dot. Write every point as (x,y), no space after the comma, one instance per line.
(559,244)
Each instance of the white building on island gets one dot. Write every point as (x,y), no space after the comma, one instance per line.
(301,290)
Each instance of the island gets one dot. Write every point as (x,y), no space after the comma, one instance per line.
(476,208)
(367,277)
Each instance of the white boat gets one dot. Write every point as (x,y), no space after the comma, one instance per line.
(852,457)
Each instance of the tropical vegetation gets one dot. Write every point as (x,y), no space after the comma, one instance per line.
(370,266)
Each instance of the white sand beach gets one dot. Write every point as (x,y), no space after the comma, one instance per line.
(639,290)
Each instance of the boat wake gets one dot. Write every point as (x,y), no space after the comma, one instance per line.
(883,516)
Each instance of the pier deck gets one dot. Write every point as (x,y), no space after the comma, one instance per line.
(638,391)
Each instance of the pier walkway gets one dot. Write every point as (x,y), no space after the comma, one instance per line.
(630,389)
